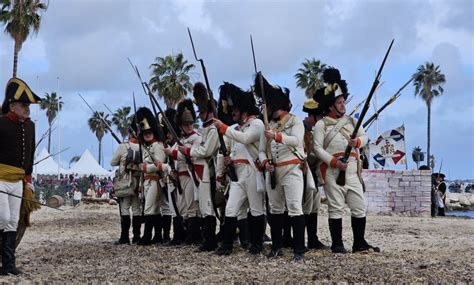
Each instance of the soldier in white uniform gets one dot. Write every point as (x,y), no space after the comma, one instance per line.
(244,141)
(331,137)
(311,199)
(152,166)
(128,196)
(205,168)
(189,206)
(175,190)
(285,140)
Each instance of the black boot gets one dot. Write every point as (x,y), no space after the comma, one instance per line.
(312,230)
(146,238)
(210,240)
(287,239)
(229,228)
(136,227)
(276,231)
(257,224)
(335,227)
(8,254)
(124,229)
(178,231)
(297,223)
(358,230)
(194,234)
(166,224)
(243,233)
(158,226)
(441,212)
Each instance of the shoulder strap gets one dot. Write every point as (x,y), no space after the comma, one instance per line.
(332,133)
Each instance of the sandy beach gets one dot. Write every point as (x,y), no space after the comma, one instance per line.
(77,246)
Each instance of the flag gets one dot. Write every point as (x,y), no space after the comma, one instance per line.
(389,148)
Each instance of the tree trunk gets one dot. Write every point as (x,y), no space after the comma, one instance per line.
(100,151)
(49,139)
(15,57)
(428,159)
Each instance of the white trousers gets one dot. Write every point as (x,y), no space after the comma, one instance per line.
(351,193)
(288,190)
(312,201)
(191,206)
(130,202)
(152,197)
(165,203)
(243,194)
(9,205)
(205,201)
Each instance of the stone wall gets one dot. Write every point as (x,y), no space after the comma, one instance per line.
(389,191)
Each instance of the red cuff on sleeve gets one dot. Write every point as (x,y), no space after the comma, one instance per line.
(279,137)
(264,163)
(174,154)
(158,165)
(333,162)
(187,151)
(358,142)
(223,128)
(144,167)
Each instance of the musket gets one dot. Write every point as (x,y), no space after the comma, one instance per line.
(140,149)
(223,149)
(103,121)
(356,108)
(390,101)
(36,162)
(265,116)
(29,200)
(341,179)
(148,92)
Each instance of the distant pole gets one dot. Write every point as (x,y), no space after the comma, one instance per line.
(59,128)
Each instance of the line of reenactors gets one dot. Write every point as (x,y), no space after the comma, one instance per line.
(271,173)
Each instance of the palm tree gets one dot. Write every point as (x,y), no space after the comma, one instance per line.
(427,81)
(98,127)
(52,104)
(21,18)
(170,78)
(309,76)
(74,159)
(122,120)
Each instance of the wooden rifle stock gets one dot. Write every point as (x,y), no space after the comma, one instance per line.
(341,178)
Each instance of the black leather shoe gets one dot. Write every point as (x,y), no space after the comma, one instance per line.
(224,251)
(275,253)
(298,257)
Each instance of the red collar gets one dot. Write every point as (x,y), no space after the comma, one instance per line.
(14,118)
(334,115)
(133,140)
(185,136)
(247,119)
(282,115)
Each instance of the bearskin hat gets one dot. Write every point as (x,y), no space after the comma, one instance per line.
(185,112)
(201,97)
(232,96)
(335,87)
(277,98)
(18,91)
(146,122)
(170,115)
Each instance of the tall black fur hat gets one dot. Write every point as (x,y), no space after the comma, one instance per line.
(277,98)
(146,122)
(18,91)
(170,114)
(185,112)
(335,87)
(232,96)
(201,97)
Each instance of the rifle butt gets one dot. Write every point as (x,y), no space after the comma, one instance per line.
(341,178)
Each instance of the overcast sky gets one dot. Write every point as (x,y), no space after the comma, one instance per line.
(85,43)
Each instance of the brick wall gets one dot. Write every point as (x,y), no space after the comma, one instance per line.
(389,191)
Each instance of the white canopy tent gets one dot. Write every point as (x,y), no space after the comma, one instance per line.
(47,165)
(87,165)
